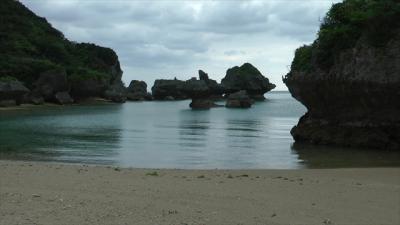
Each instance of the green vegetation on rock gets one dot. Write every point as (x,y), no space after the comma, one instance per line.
(7,78)
(29,46)
(345,23)
(302,59)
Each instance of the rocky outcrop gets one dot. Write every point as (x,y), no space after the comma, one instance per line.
(63,98)
(137,91)
(49,83)
(203,92)
(116,92)
(239,99)
(86,88)
(355,102)
(168,88)
(202,103)
(248,78)
(216,90)
(40,57)
(194,88)
(11,92)
(199,92)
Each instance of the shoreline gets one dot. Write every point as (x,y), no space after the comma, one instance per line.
(61,193)
(28,106)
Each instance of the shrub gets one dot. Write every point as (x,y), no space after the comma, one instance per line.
(344,25)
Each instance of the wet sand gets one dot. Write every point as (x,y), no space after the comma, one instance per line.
(50,193)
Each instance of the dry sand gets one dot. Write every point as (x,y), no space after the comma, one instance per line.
(48,193)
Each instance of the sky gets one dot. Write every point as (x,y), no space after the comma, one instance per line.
(165,39)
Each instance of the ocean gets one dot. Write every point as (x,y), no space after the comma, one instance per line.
(168,134)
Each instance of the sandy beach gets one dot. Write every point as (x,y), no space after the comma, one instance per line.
(50,193)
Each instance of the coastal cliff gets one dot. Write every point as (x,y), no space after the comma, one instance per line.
(44,61)
(349,78)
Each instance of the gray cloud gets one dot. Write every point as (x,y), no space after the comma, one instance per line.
(161,39)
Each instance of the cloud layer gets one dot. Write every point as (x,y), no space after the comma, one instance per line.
(166,39)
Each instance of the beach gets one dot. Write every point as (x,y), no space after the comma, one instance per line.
(54,193)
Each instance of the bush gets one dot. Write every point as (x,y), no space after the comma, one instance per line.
(344,25)
(7,78)
(29,45)
(302,59)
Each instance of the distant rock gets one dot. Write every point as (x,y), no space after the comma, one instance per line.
(194,88)
(216,90)
(12,92)
(116,92)
(137,91)
(137,86)
(63,98)
(203,92)
(168,88)
(239,99)
(202,103)
(248,78)
(85,88)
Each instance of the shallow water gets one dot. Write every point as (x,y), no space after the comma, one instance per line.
(170,135)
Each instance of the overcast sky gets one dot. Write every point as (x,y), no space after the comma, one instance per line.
(167,39)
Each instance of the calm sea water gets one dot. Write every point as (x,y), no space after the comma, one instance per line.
(171,135)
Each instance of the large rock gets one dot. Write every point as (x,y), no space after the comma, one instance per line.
(168,88)
(116,92)
(63,98)
(216,90)
(33,98)
(85,88)
(203,91)
(353,102)
(137,91)
(137,86)
(248,78)
(194,88)
(239,99)
(50,83)
(46,62)
(12,91)
(202,103)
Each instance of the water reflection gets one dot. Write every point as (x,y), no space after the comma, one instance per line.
(169,135)
(312,156)
(66,135)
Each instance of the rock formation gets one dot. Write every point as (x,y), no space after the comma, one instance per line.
(248,78)
(49,83)
(168,90)
(63,98)
(216,90)
(116,92)
(350,83)
(137,91)
(199,92)
(239,99)
(43,60)
(11,92)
